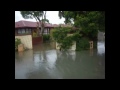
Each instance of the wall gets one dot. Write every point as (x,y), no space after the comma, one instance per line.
(26,40)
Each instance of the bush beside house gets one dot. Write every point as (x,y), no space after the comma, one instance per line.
(60,35)
(17,42)
(46,38)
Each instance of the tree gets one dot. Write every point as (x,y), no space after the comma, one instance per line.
(46,20)
(89,21)
(40,16)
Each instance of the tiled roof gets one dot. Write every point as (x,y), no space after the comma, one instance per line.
(24,23)
(55,25)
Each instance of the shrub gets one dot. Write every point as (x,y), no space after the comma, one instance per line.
(60,35)
(34,34)
(66,42)
(76,36)
(51,34)
(46,38)
(82,44)
(95,44)
(17,42)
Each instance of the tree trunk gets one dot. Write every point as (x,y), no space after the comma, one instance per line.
(42,26)
(38,28)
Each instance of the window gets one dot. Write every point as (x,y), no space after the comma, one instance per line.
(27,31)
(48,30)
(23,31)
(19,31)
(45,31)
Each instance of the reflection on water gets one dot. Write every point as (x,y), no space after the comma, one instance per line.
(48,63)
(101,47)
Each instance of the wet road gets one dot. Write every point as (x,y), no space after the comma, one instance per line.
(44,62)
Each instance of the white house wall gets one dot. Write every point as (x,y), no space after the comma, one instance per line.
(26,40)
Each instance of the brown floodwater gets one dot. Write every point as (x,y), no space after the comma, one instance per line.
(45,62)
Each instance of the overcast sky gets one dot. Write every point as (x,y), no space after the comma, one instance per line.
(52,16)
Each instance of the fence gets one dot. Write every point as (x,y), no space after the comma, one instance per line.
(36,40)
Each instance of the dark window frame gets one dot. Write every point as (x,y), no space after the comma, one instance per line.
(26,31)
(19,31)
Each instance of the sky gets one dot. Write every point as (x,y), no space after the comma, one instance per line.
(52,16)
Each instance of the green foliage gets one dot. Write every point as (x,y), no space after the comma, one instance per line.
(65,41)
(46,38)
(76,36)
(31,14)
(51,34)
(45,20)
(95,44)
(35,34)
(60,35)
(89,21)
(37,15)
(17,42)
(82,44)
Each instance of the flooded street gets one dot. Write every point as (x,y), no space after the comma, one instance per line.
(44,62)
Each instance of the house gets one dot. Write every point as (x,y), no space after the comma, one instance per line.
(24,28)
(27,27)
